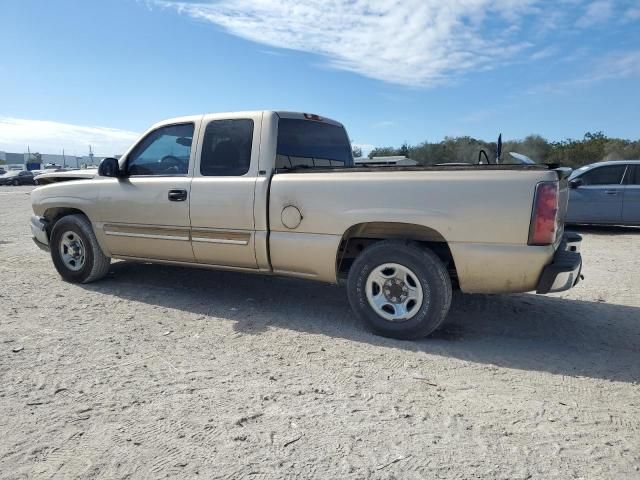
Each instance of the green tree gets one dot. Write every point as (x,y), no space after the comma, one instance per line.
(404,150)
(593,147)
(383,152)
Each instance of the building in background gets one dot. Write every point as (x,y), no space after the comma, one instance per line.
(12,158)
(68,161)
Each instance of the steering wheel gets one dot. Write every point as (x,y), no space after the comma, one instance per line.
(171,164)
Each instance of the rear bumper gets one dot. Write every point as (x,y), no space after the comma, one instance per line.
(39,232)
(564,272)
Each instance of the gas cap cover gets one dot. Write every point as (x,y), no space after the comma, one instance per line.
(291,217)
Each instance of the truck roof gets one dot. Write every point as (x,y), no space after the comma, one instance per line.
(280,113)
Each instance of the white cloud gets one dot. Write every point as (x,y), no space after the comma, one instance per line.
(617,66)
(408,42)
(597,12)
(633,13)
(17,134)
(384,124)
(544,53)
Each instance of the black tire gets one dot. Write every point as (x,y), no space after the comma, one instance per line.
(16,183)
(430,272)
(96,263)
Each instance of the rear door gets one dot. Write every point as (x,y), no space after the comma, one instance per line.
(223,190)
(631,202)
(599,198)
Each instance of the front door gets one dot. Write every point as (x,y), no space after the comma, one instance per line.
(146,213)
(223,191)
(599,197)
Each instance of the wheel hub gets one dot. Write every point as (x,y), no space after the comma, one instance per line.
(75,250)
(395,290)
(72,251)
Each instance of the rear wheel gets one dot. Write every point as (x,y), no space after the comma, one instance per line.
(16,182)
(399,289)
(75,251)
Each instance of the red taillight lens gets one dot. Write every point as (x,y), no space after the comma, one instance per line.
(544,222)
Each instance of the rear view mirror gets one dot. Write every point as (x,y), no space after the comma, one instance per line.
(575,183)
(184,141)
(109,167)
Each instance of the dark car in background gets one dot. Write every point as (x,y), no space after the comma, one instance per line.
(605,193)
(17,177)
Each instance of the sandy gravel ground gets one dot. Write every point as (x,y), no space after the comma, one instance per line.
(162,372)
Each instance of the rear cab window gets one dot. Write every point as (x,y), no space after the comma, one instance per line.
(312,144)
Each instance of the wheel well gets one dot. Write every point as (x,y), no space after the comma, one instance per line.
(357,238)
(52,215)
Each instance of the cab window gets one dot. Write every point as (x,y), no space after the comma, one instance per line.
(164,151)
(226,148)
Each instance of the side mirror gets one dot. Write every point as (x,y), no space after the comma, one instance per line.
(575,183)
(109,167)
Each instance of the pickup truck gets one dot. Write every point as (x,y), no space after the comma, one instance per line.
(277,193)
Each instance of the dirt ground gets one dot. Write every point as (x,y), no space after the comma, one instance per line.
(162,372)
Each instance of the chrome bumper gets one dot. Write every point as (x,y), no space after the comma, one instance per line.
(565,271)
(39,232)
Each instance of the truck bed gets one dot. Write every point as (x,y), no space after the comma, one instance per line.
(420,168)
(481,213)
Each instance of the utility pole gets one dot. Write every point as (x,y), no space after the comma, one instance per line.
(90,155)
(64,159)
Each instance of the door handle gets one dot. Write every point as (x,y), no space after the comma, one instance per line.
(177,195)
(611,192)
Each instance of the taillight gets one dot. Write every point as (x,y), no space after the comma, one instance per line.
(544,220)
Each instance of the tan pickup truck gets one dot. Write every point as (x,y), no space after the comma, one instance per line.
(277,193)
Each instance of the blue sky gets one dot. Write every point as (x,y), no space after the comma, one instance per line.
(75,72)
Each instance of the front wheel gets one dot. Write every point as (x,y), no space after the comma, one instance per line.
(399,289)
(75,251)
(16,183)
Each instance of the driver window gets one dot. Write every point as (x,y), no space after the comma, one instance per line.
(164,151)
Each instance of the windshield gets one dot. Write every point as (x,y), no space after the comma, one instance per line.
(306,143)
